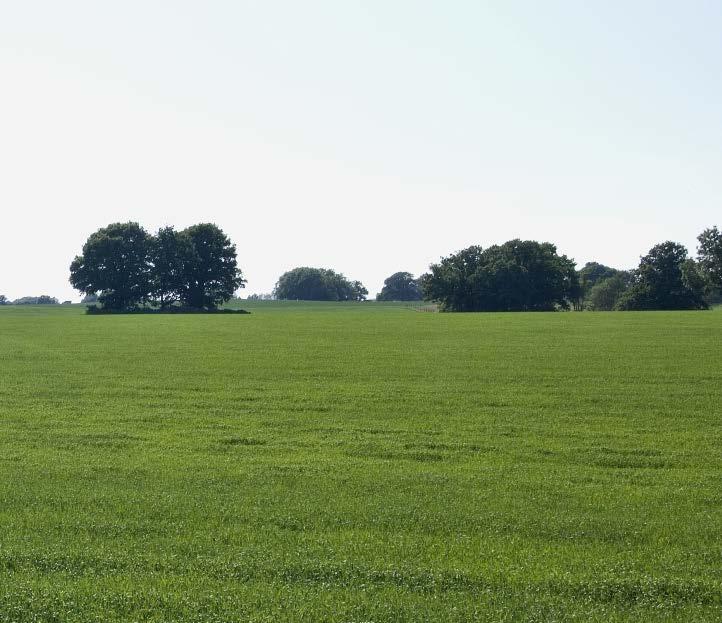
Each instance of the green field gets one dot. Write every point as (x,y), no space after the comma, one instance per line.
(360,462)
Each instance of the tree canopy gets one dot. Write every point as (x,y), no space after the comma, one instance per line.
(519,275)
(318,284)
(709,255)
(601,286)
(115,262)
(665,279)
(128,267)
(606,293)
(400,286)
(593,272)
(210,272)
(169,253)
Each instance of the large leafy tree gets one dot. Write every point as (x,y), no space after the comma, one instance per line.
(592,272)
(358,291)
(457,281)
(709,255)
(519,275)
(318,284)
(114,263)
(665,279)
(400,286)
(210,274)
(606,293)
(591,277)
(170,254)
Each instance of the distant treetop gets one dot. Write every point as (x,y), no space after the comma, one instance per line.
(400,286)
(318,284)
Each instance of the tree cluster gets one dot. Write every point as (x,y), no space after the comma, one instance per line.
(122,266)
(318,284)
(400,286)
(43,299)
(519,275)
(127,267)
(666,278)
(530,276)
(601,286)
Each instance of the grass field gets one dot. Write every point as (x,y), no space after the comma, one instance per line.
(360,463)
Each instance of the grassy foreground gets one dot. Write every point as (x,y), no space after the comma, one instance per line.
(360,463)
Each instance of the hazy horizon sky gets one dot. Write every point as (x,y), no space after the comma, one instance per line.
(368,137)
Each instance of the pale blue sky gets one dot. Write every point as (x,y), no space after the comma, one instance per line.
(368,137)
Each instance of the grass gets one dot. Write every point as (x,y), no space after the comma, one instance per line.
(360,462)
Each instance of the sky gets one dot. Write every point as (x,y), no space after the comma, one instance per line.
(367,136)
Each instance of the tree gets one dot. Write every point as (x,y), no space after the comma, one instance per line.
(317,284)
(519,275)
(665,279)
(400,286)
(169,254)
(455,281)
(115,263)
(210,274)
(594,273)
(4,300)
(358,291)
(709,255)
(605,294)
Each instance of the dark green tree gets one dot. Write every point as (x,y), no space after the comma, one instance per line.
(665,279)
(594,273)
(358,291)
(457,281)
(210,274)
(317,284)
(400,286)
(170,253)
(605,294)
(519,275)
(114,263)
(4,300)
(709,255)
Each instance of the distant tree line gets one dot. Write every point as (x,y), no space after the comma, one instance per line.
(43,299)
(123,267)
(666,278)
(531,276)
(126,267)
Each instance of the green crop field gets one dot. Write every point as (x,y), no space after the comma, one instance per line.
(359,463)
